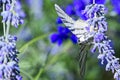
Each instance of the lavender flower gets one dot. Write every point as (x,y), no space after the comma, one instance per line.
(95,14)
(12,12)
(12,15)
(9,69)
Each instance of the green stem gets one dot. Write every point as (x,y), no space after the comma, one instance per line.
(39,73)
(32,41)
(8,28)
(4,22)
(8,21)
(52,61)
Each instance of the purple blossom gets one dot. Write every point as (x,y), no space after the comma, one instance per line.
(99,37)
(62,35)
(12,15)
(9,69)
(13,12)
(59,21)
(95,14)
(106,53)
(116,5)
(94,9)
(19,10)
(79,5)
(70,9)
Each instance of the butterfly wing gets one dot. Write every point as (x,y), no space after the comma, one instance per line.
(82,60)
(68,21)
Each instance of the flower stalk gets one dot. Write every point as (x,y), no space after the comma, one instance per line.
(9,68)
(95,14)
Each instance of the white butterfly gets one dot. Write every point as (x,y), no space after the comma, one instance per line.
(77,27)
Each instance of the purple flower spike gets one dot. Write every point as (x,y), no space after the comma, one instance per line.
(13,14)
(95,14)
(9,69)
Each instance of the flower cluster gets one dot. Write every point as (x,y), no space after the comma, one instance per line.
(95,14)
(9,69)
(62,35)
(12,12)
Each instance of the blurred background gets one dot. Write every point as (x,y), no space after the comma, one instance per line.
(48,51)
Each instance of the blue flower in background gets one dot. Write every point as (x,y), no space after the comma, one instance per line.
(116,5)
(62,35)
(59,21)
(36,7)
(79,5)
(70,9)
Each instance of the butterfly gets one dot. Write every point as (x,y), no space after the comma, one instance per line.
(78,28)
